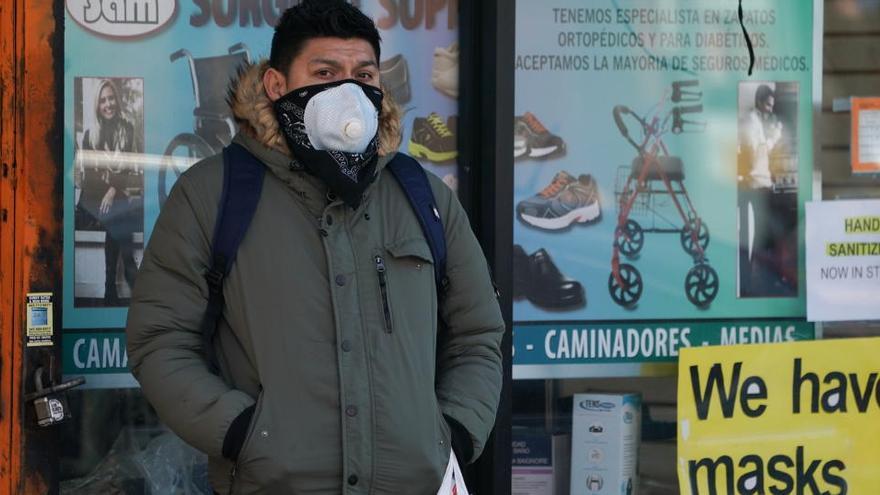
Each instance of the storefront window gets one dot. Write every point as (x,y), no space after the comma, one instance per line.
(664,155)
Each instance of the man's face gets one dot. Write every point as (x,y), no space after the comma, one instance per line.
(767,105)
(324,60)
(107,103)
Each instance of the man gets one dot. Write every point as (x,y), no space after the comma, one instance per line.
(760,132)
(334,377)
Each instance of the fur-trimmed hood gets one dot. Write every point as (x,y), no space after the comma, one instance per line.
(255,116)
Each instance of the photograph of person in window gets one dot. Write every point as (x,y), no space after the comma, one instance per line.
(767,189)
(109,183)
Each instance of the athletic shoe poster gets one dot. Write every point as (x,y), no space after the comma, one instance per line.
(662,157)
(144,88)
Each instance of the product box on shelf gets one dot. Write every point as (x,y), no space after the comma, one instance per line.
(605,444)
(540,462)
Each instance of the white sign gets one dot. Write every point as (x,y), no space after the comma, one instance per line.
(843,260)
(122,18)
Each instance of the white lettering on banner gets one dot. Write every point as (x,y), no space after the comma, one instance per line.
(607,343)
(756,335)
(76,361)
(99,353)
(548,349)
(122,18)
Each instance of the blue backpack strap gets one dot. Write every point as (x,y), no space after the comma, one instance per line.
(414,182)
(242,184)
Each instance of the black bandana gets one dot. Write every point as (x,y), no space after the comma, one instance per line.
(346,174)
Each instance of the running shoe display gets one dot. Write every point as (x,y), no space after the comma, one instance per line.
(432,139)
(444,71)
(537,278)
(539,142)
(565,201)
(395,78)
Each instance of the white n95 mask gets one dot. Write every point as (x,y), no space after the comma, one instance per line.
(332,131)
(341,118)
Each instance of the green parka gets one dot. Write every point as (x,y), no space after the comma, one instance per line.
(347,400)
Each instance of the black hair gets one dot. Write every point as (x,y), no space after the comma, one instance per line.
(316,19)
(762,93)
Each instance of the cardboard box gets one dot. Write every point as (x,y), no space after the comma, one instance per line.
(606,431)
(540,463)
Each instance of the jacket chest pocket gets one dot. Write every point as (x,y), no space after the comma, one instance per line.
(405,277)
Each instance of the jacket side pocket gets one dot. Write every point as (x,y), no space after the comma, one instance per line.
(243,450)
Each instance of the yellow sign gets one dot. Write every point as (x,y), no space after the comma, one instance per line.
(792,418)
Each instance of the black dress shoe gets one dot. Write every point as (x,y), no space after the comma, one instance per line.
(548,287)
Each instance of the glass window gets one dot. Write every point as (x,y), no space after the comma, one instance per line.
(664,153)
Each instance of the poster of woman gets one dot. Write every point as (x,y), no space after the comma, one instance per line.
(108,188)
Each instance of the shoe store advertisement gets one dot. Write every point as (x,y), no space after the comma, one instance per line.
(662,159)
(135,120)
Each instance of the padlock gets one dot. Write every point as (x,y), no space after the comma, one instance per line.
(50,403)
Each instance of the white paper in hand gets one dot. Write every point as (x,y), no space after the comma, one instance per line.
(453,480)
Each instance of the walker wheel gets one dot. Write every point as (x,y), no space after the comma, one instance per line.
(701,285)
(687,242)
(630,239)
(629,293)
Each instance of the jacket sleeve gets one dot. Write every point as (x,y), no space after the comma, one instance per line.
(163,329)
(469,369)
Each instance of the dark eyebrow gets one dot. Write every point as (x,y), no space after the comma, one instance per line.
(325,61)
(336,65)
(366,63)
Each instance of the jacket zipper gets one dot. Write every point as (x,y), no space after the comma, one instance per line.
(383,288)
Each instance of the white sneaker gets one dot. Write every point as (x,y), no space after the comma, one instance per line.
(444,72)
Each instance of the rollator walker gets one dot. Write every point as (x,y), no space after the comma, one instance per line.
(654,179)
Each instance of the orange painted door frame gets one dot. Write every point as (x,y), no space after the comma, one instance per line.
(31,65)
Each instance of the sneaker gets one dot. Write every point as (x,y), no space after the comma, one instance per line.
(541,143)
(539,201)
(444,71)
(394,73)
(431,139)
(565,201)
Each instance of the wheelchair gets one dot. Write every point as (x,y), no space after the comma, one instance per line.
(213,123)
(654,180)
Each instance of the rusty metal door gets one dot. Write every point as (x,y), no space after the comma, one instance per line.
(30,231)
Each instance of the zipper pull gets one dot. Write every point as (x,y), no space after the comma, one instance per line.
(380,266)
